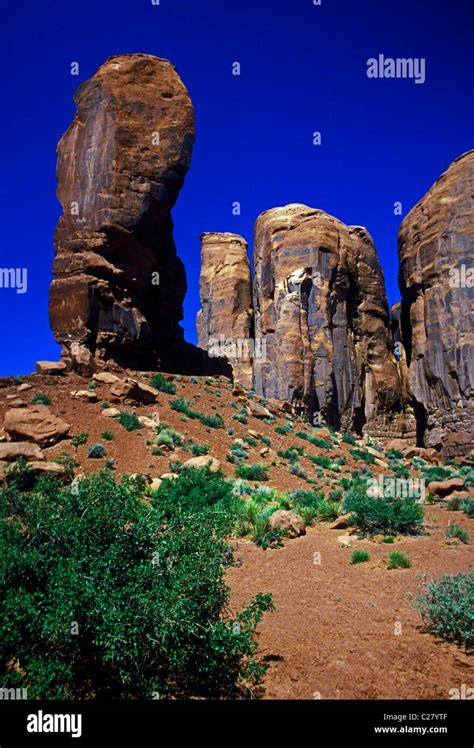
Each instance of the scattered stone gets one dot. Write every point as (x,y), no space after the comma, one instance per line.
(105,377)
(110,412)
(50,368)
(287,520)
(203,461)
(12,450)
(85,395)
(134,390)
(341,523)
(155,484)
(169,476)
(24,387)
(35,424)
(445,487)
(257,410)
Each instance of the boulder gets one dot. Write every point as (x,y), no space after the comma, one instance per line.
(203,461)
(110,412)
(105,377)
(169,476)
(24,387)
(257,410)
(35,424)
(10,451)
(287,520)
(155,484)
(134,390)
(51,368)
(85,395)
(445,487)
(341,523)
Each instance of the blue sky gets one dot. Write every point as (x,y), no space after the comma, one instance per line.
(303,69)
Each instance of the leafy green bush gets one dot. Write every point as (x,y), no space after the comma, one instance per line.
(41,399)
(199,449)
(394,454)
(359,556)
(362,454)
(79,440)
(454,504)
(160,383)
(349,439)
(316,440)
(96,451)
(169,438)
(387,539)
(454,530)
(252,472)
(297,469)
(266,441)
(17,380)
(398,560)
(446,606)
(388,515)
(108,436)
(143,583)
(129,421)
(180,405)
(250,441)
(286,429)
(468,507)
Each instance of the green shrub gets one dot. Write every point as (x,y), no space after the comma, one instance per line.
(105,405)
(263,536)
(199,449)
(129,421)
(239,452)
(297,469)
(446,606)
(388,515)
(316,440)
(266,441)
(160,383)
(96,451)
(323,461)
(292,454)
(349,439)
(457,531)
(454,504)
(359,556)
(79,440)
(362,454)
(108,436)
(252,472)
(398,560)
(180,405)
(41,399)
(468,507)
(286,429)
(169,438)
(387,539)
(250,441)
(145,582)
(17,380)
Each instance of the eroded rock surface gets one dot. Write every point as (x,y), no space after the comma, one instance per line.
(319,302)
(436,251)
(225,321)
(118,285)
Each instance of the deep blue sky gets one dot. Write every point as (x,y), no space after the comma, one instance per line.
(303,69)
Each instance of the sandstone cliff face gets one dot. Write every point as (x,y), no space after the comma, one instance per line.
(225,321)
(436,251)
(319,302)
(118,285)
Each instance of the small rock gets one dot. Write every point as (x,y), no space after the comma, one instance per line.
(47,467)
(131,388)
(105,377)
(110,412)
(341,523)
(24,387)
(12,450)
(148,423)
(264,452)
(50,368)
(155,484)
(445,487)
(287,520)
(85,395)
(35,424)
(203,461)
(344,540)
(169,476)
(257,410)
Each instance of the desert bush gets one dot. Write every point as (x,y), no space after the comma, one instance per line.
(180,405)
(252,472)
(160,383)
(41,399)
(454,504)
(359,556)
(200,449)
(394,454)
(362,454)
(468,507)
(388,515)
(446,606)
(143,581)
(169,438)
(108,436)
(398,560)
(349,439)
(96,451)
(129,421)
(313,439)
(79,440)
(297,469)
(284,430)
(454,530)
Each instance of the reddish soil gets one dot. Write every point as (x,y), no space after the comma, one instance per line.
(333,632)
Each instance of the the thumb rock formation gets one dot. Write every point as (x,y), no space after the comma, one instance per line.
(118,285)
(436,250)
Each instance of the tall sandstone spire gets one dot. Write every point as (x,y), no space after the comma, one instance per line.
(118,288)
(319,300)
(436,251)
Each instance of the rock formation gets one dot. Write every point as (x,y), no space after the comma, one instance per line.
(436,251)
(118,285)
(225,321)
(319,302)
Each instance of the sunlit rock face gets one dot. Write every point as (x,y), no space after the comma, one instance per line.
(118,285)
(436,251)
